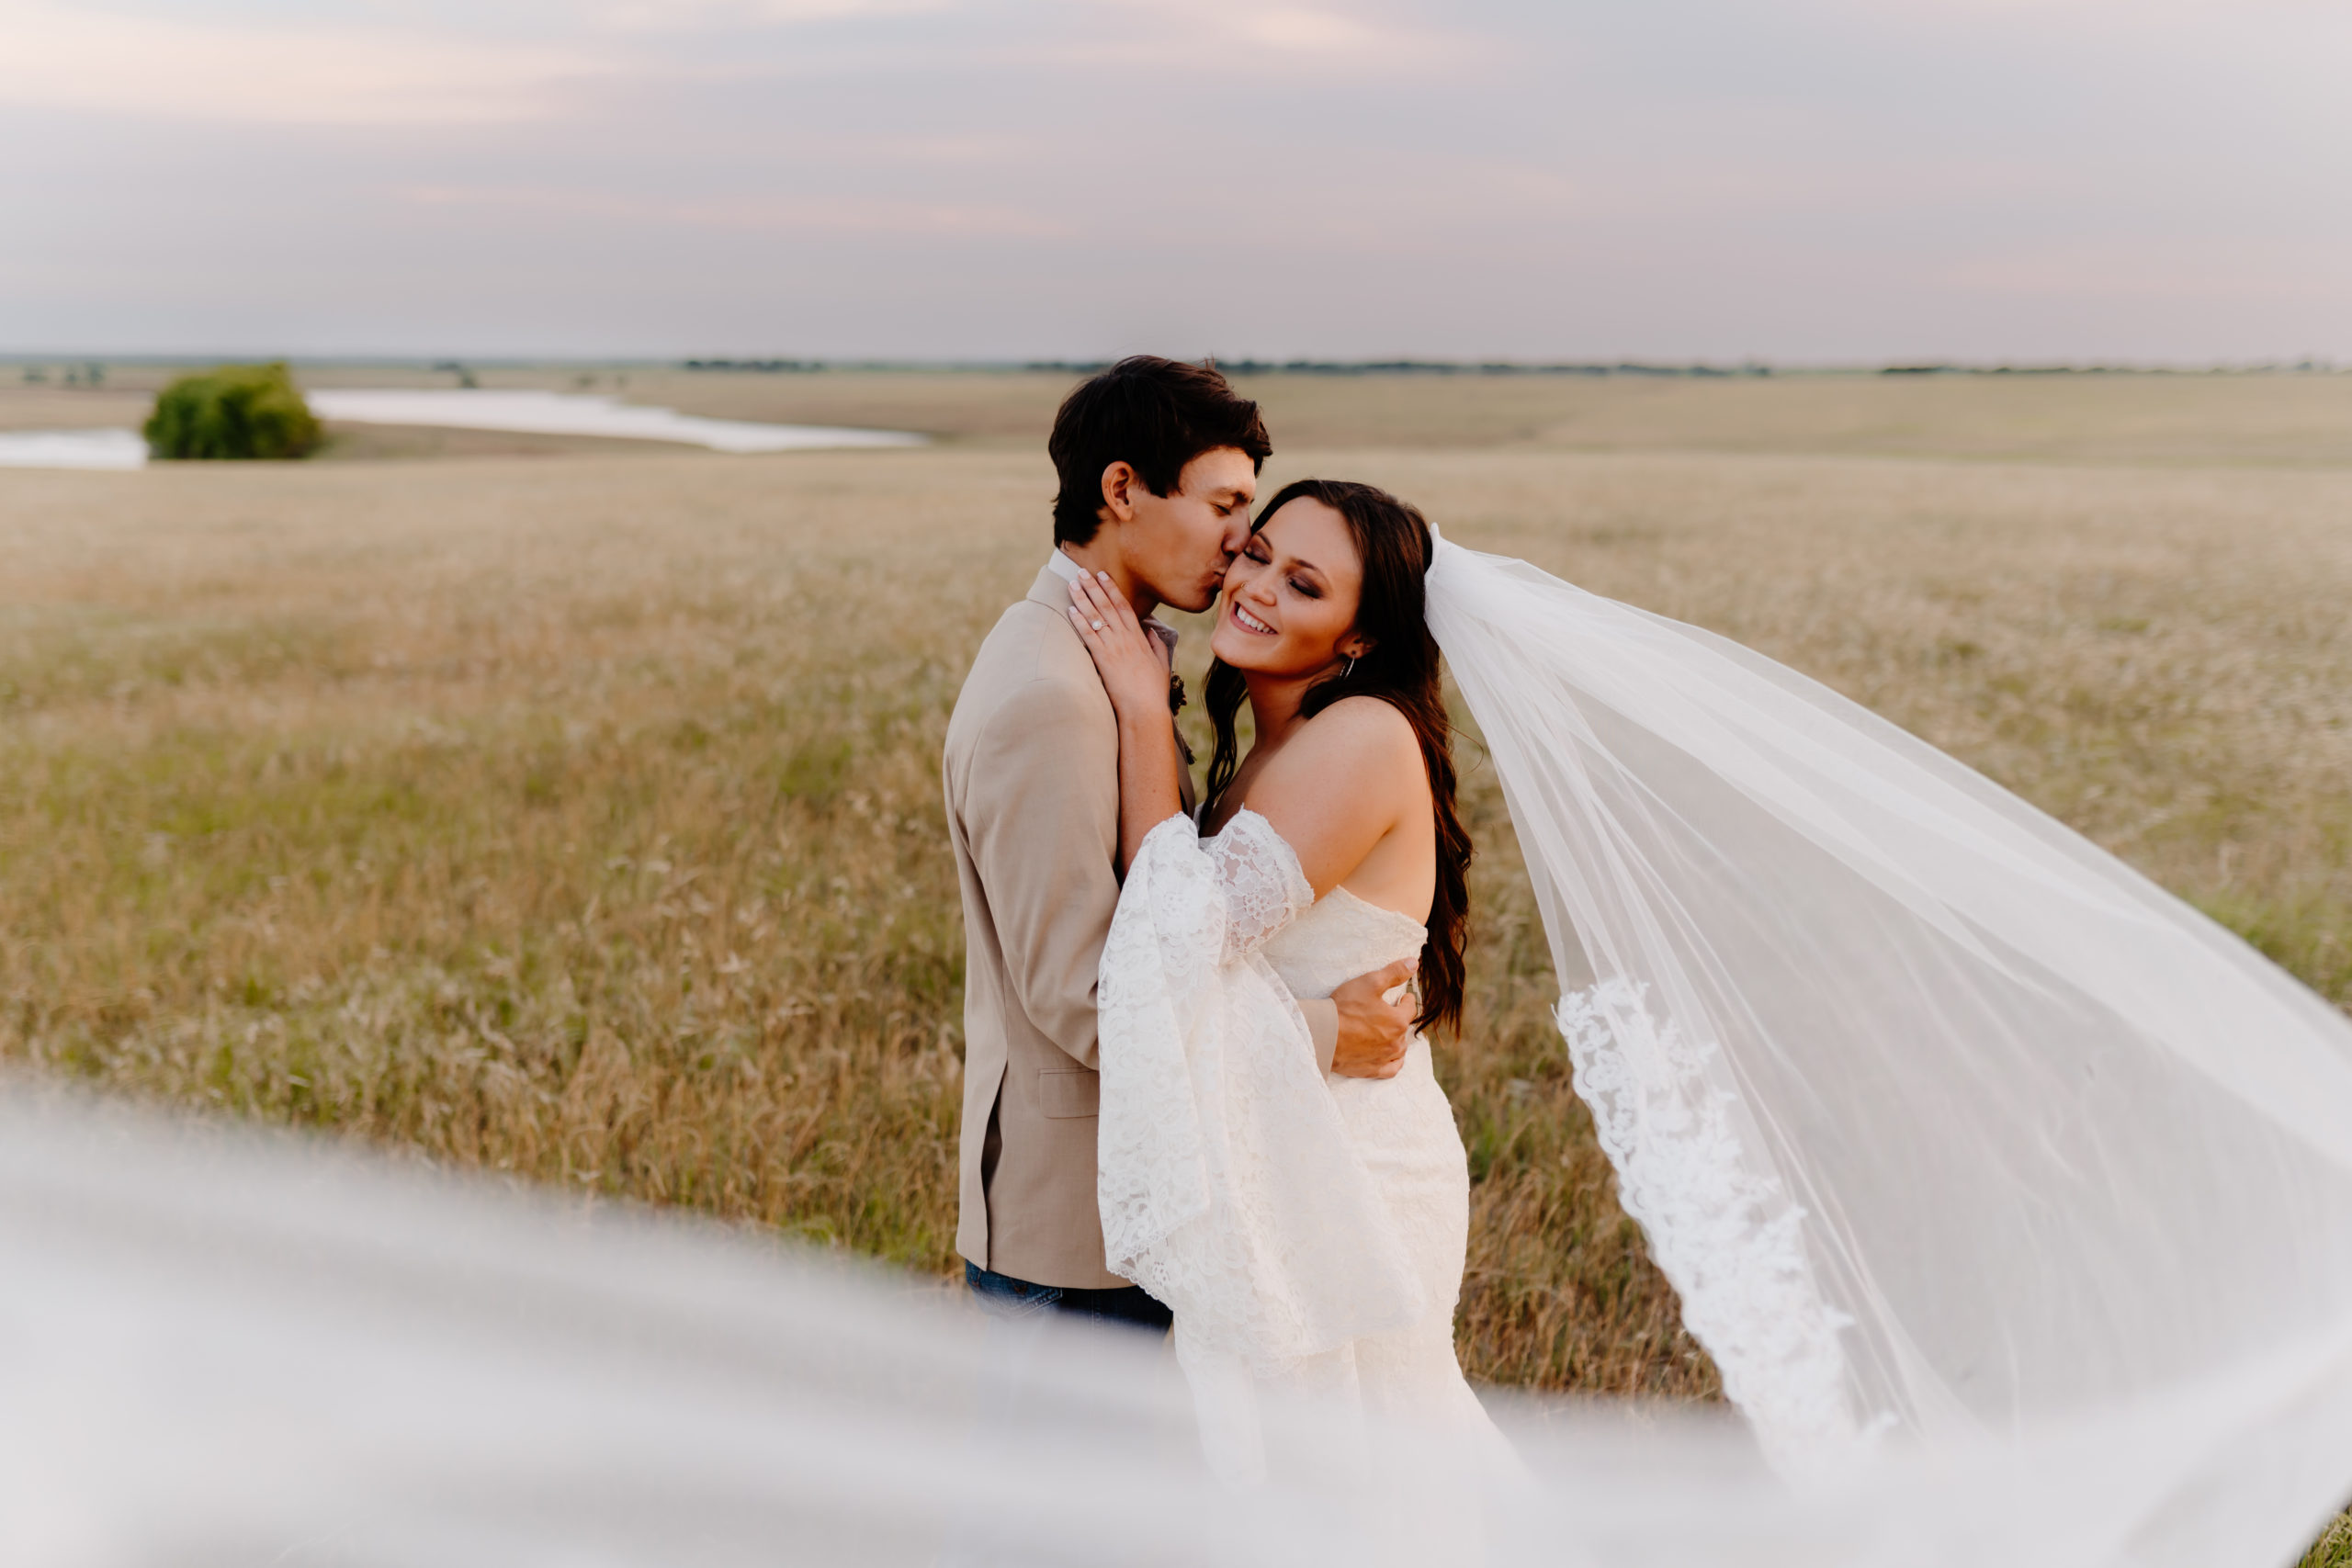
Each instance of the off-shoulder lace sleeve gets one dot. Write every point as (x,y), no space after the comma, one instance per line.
(1227,1184)
(1263,886)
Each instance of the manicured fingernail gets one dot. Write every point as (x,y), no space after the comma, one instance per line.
(1104,575)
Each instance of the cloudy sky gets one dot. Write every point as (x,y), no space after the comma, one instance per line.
(1793,180)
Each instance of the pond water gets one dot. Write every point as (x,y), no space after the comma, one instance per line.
(571,413)
(536,413)
(72,449)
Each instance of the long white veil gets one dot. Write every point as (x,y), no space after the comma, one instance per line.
(2013,1198)
(1945,1123)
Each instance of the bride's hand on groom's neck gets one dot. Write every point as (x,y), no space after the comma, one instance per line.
(1131,660)
(1135,672)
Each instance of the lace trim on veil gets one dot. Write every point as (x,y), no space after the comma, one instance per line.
(1727,1235)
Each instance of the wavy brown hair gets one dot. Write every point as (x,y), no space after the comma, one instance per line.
(1154,414)
(1392,538)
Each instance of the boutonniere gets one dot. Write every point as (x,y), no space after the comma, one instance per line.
(1175,705)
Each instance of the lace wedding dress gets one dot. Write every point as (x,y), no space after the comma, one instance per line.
(1308,1233)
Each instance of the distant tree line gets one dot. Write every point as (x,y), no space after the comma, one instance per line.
(1752,367)
(764,366)
(2300,368)
(1430,367)
(88,374)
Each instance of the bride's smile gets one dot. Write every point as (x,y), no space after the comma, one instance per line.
(1291,594)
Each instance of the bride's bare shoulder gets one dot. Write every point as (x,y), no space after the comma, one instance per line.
(1358,738)
(1362,720)
(1341,782)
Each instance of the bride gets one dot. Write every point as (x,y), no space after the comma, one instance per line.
(1309,1235)
(1954,1134)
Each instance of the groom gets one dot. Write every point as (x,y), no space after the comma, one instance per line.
(1157,463)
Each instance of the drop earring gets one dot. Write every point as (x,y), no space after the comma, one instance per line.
(1351,670)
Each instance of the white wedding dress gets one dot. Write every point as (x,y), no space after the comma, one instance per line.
(1403,1130)
(1308,1233)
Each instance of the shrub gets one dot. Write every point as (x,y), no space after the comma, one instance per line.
(236,411)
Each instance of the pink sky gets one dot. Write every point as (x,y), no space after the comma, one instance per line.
(1808,181)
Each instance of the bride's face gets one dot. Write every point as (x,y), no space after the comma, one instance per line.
(1290,596)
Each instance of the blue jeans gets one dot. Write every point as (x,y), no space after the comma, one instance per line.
(1006,1296)
(1019,1396)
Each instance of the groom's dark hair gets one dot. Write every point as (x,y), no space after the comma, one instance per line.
(1155,416)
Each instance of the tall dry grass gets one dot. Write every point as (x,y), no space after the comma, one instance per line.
(578,817)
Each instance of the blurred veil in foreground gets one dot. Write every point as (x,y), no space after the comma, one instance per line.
(2013,1198)
(233,1347)
(236,1347)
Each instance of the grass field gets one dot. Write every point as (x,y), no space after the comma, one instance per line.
(574,812)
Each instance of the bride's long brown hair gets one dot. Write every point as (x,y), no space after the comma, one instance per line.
(1392,538)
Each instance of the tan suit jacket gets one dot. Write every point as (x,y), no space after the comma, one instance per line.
(1032,775)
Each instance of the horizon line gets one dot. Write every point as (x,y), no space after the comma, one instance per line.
(1747,366)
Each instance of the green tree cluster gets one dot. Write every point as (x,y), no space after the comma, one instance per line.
(236,411)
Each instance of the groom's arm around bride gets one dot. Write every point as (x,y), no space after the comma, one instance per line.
(1158,464)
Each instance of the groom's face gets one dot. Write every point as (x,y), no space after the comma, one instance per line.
(1179,545)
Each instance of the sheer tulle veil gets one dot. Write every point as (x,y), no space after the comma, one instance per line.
(2012,1196)
(1944,1122)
